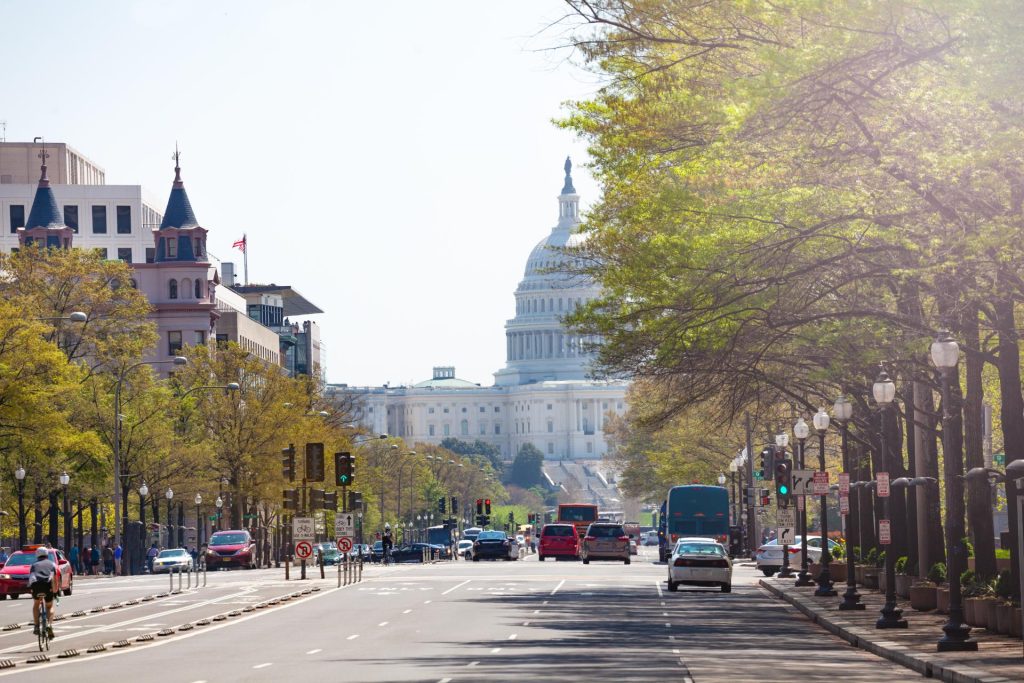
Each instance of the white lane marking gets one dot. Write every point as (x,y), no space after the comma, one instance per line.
(675,651)
(495,650)
(426,602)
(664,614)
(663,603)
(313,652)
(545,602)
(557,587)
(473,663)
(526,623)
(383,623)
(668,625)
(353,636)
(406,611)
(512,637)
(536,611)
(456,587)
(657,584)
(445,680)
(264,665)
(671,637)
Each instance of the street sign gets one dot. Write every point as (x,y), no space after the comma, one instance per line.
(882,482)
(884,532)
(786,517)
(344,524)
(800,503)
(303,529)
(844,504)
(803,481)
(844,483)
(786,535)
(344,544)
(303,550)
(820,484)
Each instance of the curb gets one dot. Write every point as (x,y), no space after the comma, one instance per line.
(926,664)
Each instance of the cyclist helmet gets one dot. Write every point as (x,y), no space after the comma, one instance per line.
(41,553)
(387,527)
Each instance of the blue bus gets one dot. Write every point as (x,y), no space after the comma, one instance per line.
(693,510)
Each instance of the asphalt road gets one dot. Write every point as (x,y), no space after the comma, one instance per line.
(456,621)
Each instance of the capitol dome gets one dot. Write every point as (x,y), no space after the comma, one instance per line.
(538,347)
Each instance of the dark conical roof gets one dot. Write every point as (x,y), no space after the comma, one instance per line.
(567,188)
(45,211)
(179,212)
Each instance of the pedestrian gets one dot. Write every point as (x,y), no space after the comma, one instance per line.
(118,552)
(3,556)
(108,560)
(151,556)
(195,556)
(94,560)
(73,559)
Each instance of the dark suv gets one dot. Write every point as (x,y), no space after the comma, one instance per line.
(605,541)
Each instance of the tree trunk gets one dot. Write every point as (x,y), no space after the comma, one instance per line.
(54,519)
(1011,414)
(979,493)
(37,525)
(913,556)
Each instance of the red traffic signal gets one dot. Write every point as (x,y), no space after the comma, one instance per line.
(487,506)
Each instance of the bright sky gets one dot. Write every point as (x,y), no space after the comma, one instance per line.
(394,162)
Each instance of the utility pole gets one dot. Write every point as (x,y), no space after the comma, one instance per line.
(753,533)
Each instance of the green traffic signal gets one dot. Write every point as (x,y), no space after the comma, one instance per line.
(784,490)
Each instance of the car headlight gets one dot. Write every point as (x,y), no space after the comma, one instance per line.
(241,551)
(6,576)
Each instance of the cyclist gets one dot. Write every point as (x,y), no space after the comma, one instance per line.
(386,543)
(44,584)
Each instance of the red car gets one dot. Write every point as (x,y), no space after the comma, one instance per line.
(231,549)
(14,573)
(558,540)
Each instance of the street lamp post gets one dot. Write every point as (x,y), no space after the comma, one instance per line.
(821,422)
(170,524)
(735,507)
(843,410)
(200,522)
(65,479)
(945,354)
(884,391)
(177,360)
(801,431)
(19,475)
(219,503)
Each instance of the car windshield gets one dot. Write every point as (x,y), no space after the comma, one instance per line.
(491,536)
(228,539)
(561,530)
(172,553)
(20,559)
(606,531)
(700,549)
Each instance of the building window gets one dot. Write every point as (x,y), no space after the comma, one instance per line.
(71,216)
(549,406)
(482,409)
(551,426)
(447,429)
(200,337)
(445,411)
(99,220)
(430,410)
(199,288)
(172,247)
(102,253)
(172,289)
(174,343)
(590,447)
(604,406)
(124,254)
(497,428)
(464,428)
(430,430)
(134,283)
(198,247)
(17,217)
(551,448)
(463,409)
(497,409)
(483,428)
(124,220)
(150,254)
(186,288)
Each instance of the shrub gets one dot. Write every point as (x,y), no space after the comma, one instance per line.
(968,546)
(937,574)
(872,556)
(839,552)
(1004,584)
(858,556)
(901,565)
(1002,553)
(967,577)
(880,560)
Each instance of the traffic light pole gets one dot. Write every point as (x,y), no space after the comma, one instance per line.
(786,572)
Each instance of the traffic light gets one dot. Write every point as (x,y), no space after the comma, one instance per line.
(455,505)
(511,517)
(479,506)
(487,507)
(355,500)
(767,463)
(316,499)
(291,499)
(766,499)
(442,505)
(784,482)
(747,498)
(344,468)
(314,462)
(331,500)
(288,462)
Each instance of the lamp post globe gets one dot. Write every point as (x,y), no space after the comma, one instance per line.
(842,409)
(782,440)
(800,429)
(19,473)
(945,351)
(65,479)
(883,390)
(144,490)
(821,420)
(721,479)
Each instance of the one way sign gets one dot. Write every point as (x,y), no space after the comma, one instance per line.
(344,524)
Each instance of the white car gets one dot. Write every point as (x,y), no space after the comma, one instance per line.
(172,559)
(769,555)
(699,563)
(465,548)
(633,550)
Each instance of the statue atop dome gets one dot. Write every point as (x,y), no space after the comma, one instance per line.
(568,188)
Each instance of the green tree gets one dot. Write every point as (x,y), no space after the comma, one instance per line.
(526,467)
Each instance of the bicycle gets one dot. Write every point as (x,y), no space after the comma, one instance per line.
(44,626)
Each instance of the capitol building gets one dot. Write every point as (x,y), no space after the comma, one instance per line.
(543,394)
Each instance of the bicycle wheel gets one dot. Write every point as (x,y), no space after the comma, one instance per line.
(44,633)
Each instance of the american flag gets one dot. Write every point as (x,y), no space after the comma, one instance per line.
(239,244)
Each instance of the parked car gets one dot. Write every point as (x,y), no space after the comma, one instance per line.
(769,555)
(172,558)
(495,545)
(377,552)
(413,552)
(605,541)
(558,541)
(14,573)
(699,563)
(330,552)
(233,548)
(360,549)
(465,548)
(651,538)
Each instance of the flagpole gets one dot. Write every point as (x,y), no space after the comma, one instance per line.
(245,257)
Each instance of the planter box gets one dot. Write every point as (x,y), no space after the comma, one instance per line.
(1002,563)
(883,581)
(969,604)
(992,615)
(1015,624)
(870,577)
(858,573)
(1004,617)
(838,571)
(970,564)
(923,597)
(903,584)
(813,568)
(942,600)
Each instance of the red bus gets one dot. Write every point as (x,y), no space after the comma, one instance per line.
(580,515)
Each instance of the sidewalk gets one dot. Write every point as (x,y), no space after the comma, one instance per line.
(998,659)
